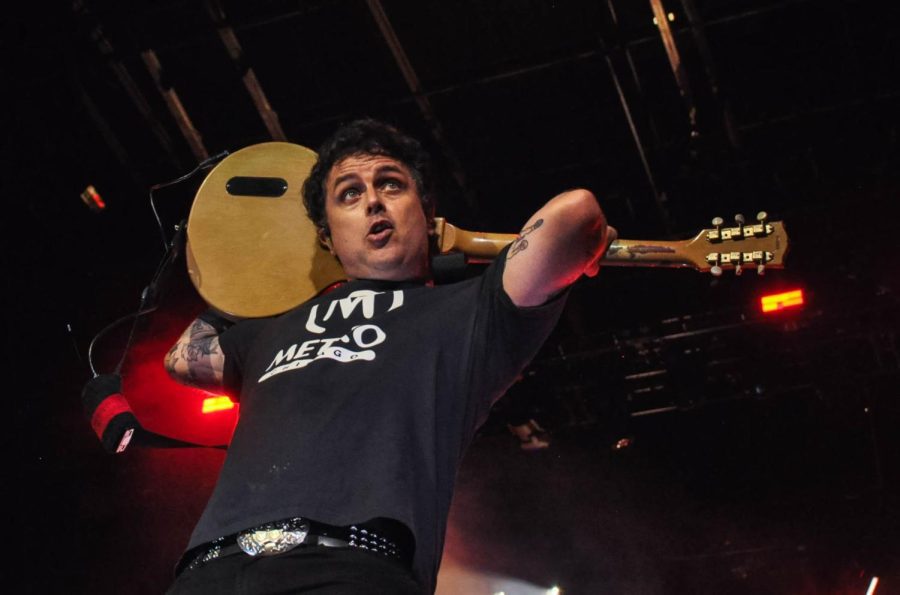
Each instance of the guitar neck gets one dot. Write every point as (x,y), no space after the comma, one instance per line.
(484,246)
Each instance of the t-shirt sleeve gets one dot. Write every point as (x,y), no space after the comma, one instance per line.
(235,344)
(506,338)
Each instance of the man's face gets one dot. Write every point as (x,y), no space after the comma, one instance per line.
(378,228)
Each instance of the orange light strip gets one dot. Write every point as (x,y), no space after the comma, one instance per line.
(780,301)
(221,403)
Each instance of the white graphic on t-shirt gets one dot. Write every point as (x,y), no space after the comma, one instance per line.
(295,357)
(362,297)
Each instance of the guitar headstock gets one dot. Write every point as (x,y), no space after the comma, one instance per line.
(761,245)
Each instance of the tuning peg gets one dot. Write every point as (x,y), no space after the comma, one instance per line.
(760,269)
(742,231)
(716,271)
(715,235)
(762,216)
(738,270)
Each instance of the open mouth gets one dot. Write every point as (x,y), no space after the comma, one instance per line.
(380,231)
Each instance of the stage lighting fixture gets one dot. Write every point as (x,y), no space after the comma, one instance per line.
(218,403)
(780,301)
(92,199)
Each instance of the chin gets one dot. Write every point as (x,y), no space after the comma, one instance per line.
(397,270)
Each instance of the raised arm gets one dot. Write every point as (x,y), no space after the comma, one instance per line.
(196,359)
(563,240)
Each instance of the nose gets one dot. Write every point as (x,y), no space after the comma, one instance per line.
(374,204)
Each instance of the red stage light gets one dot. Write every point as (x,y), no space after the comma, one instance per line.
(220,403)
(780,301)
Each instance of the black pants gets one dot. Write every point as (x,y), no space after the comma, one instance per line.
(315,569)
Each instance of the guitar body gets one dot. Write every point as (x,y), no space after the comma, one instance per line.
(251,249)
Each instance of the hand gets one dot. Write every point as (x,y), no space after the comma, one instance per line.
(593,267)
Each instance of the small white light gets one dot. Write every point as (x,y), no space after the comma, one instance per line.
(670,16)
(872,585)
(554,591)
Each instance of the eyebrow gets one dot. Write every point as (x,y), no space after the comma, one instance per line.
(390,168)
(341,179)
(384,168)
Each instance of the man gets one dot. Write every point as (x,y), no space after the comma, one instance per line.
(356,407)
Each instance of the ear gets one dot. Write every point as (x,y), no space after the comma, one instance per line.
(325,240)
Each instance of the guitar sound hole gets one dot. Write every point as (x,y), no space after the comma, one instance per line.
(256,186)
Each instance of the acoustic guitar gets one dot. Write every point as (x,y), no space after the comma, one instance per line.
(253,252)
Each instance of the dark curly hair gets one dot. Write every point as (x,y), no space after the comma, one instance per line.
(367,137)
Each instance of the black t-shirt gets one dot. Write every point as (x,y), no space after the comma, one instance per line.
(360,404)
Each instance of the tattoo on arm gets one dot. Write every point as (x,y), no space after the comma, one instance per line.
(200,345)
(521,242)
(196,359)
(172,358)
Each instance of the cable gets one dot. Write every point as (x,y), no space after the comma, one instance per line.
(147,303)
(149,294)
(106,329)
(205,164)
(107,409)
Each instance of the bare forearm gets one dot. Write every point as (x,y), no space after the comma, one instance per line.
(196,358)
(562,241)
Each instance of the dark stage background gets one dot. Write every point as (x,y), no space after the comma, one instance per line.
(763,451)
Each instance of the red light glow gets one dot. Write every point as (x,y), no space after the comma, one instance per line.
(220,403)
(780,301)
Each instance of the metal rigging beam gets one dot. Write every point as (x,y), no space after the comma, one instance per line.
(191,135)
(230,40)
(698,29)
(684,86)
(108,133)
(421,98)
(129,86)
(610,56)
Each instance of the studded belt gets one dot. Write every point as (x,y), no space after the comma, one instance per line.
(384,537)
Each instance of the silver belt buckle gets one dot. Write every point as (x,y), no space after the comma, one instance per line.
(273,538)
